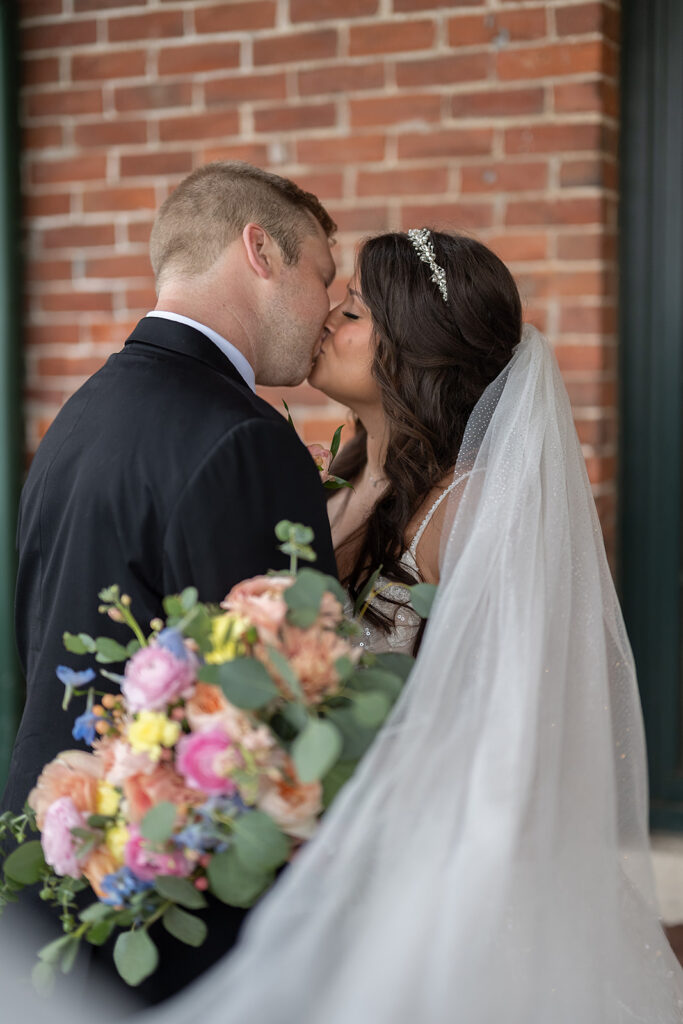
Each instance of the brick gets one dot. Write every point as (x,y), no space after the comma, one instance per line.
(156,25)
(402,182)
(505,177)
(424,5)
(391,37)
(325,185)
(588,320)
(235,17)
(585,246)
(449,142)
(119,266)
(580,97)
(590,172)
(50,334)
(61,366)
(601,468)
(587,358)
(550,61)
(42,137)
(76,302)
(321,10)
(454,216)
(501,27)
(343,78)
(38,271)
(106,65)
(581,19)
(515,248)
(242,88)
(251,153)
(394,109)
(553,138)
(444,70)
(289,118)
(361,219)
(145,165)
(110,133)
(202,126)
(50,205)
(99,200)
(39,71)
(591,392)
(141,299)
(289,49)
(139,231)
(58,35)
(544,283)
(40,8)
(559,211)
(319,430)
(99,5)
(498,103)
(198,57)
(61,102)
(78,236)
(153,97)
(81,168)
(350,149)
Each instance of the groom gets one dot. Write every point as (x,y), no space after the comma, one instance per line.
(165,469)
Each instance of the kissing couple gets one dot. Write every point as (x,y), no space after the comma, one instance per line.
(489,859)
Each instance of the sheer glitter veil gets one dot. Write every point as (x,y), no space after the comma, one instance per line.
(489,861)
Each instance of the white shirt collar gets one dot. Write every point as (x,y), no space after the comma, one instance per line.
(238,360)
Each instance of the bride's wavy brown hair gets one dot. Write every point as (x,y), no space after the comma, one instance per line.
(433,359)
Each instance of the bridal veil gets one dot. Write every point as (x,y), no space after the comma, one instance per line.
(489,861)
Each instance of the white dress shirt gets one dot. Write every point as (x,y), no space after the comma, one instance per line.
(238,360)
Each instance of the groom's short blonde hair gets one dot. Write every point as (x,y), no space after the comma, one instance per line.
(210,208)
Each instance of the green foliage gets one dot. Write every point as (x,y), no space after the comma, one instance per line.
(245,682)
(338,776)
(400,665)
(135,956)
(234,882)
(370,707)
(297,542)
(316,749)
(258,842)
(79,644)
(26,864)
(183,926)
(366,593)
(422,597)
(157,824)
(336,440)
(286,672)
(355,738)
(109,651)
(179,890)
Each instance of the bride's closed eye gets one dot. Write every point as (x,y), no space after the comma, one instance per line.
(352,316)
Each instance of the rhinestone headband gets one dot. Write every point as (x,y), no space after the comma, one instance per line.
(424,247)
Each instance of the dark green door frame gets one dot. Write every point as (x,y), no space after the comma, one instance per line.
(11,439)
(651,371)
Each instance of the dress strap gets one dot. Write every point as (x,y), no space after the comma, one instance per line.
(425,522)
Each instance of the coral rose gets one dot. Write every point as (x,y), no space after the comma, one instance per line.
(99,864)
(59,845)
(73,773)
(154,678)
(293,806)
(144,791)
(260,601)
(146,863)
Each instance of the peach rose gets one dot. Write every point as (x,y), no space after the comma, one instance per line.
(260,601)
(322,457)
(144,791)
(294,806)
(99,864)
(73,773)
(312,654)
(120,762)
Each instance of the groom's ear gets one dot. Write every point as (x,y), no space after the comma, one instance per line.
(262,250)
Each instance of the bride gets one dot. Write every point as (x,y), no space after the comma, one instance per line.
(489,860)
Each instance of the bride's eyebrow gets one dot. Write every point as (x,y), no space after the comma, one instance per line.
(353,292)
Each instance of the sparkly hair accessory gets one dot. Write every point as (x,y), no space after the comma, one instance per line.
(424,247)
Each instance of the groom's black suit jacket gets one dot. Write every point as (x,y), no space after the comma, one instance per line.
(163,471)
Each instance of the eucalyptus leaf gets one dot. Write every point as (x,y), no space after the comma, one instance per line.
(232,882)
(109,651)
(285,671)
(179,890)
(43,978)
(306,592)
(69,955)
(157,824)
(371,707)
(173,606)
(135,956)
(189,598)
(95,912)
(132,647)
(296,715)
(355,738)
(316,749)
(26,863)
(376,679)
(185,927)
(422,597)
(338,775)
(52,952)
(400,664)
(74,644)
(98,934)
(245,682)
(258,842)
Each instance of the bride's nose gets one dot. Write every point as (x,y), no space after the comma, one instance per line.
(333,318)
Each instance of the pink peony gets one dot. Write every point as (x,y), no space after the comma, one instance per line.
(322,458)
(146,863)
(59,846)
(205,760)
(260,601)
(154,678)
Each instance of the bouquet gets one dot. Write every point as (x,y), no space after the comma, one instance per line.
(230,730)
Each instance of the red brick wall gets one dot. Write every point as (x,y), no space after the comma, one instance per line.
(497,117)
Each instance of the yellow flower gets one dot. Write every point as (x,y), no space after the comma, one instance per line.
(151,731)
(226,631)
(116,838)
(108,799)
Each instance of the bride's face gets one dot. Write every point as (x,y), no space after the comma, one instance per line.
(342,366)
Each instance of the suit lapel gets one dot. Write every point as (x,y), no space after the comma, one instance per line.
(173,336)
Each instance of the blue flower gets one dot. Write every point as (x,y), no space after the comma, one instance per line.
(120,886)
(84,727)
(227,806)
(172,641)
(75,679)
(201,837)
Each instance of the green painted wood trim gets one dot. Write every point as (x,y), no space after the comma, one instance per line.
(651,374)
(11,433)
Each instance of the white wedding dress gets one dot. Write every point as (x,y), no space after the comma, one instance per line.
(489,860)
